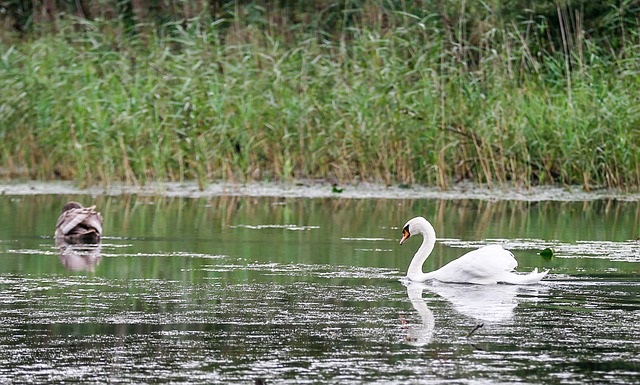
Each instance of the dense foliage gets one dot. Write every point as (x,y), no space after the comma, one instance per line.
(430,93)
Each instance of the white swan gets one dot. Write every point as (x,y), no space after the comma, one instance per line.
(486,265)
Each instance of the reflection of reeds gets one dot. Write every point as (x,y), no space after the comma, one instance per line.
(165,225)
(468,219)
(395,97)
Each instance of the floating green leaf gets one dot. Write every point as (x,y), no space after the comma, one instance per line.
(547,253)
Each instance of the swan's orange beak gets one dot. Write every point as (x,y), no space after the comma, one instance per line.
(405,236)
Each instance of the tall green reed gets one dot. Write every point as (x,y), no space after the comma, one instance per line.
(405,99)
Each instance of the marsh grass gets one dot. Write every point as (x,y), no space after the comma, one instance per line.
(412,102)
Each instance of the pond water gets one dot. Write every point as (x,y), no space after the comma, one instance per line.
(293,291)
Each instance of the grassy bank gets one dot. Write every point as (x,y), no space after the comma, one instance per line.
(413,103)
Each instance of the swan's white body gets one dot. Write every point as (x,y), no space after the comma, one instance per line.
(486,265)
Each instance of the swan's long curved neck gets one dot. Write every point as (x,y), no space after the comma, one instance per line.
(414,272)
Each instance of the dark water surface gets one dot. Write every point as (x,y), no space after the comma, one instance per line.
(294,291)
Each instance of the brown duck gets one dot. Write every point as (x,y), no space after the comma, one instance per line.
(79,224)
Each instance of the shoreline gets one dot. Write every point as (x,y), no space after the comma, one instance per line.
(317,189)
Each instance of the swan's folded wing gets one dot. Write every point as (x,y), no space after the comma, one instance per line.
(482,266)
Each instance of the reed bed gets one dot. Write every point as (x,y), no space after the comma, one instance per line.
(408,104)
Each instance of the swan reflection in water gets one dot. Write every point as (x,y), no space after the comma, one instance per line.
(78,256)
(418,335)
(483,303)
(492,303)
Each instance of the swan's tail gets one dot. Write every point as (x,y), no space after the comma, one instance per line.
(524,279)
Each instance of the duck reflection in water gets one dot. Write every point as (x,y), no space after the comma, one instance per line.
(78,232)
(79,256)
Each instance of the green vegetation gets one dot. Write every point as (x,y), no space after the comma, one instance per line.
(546,253)
(365,91)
